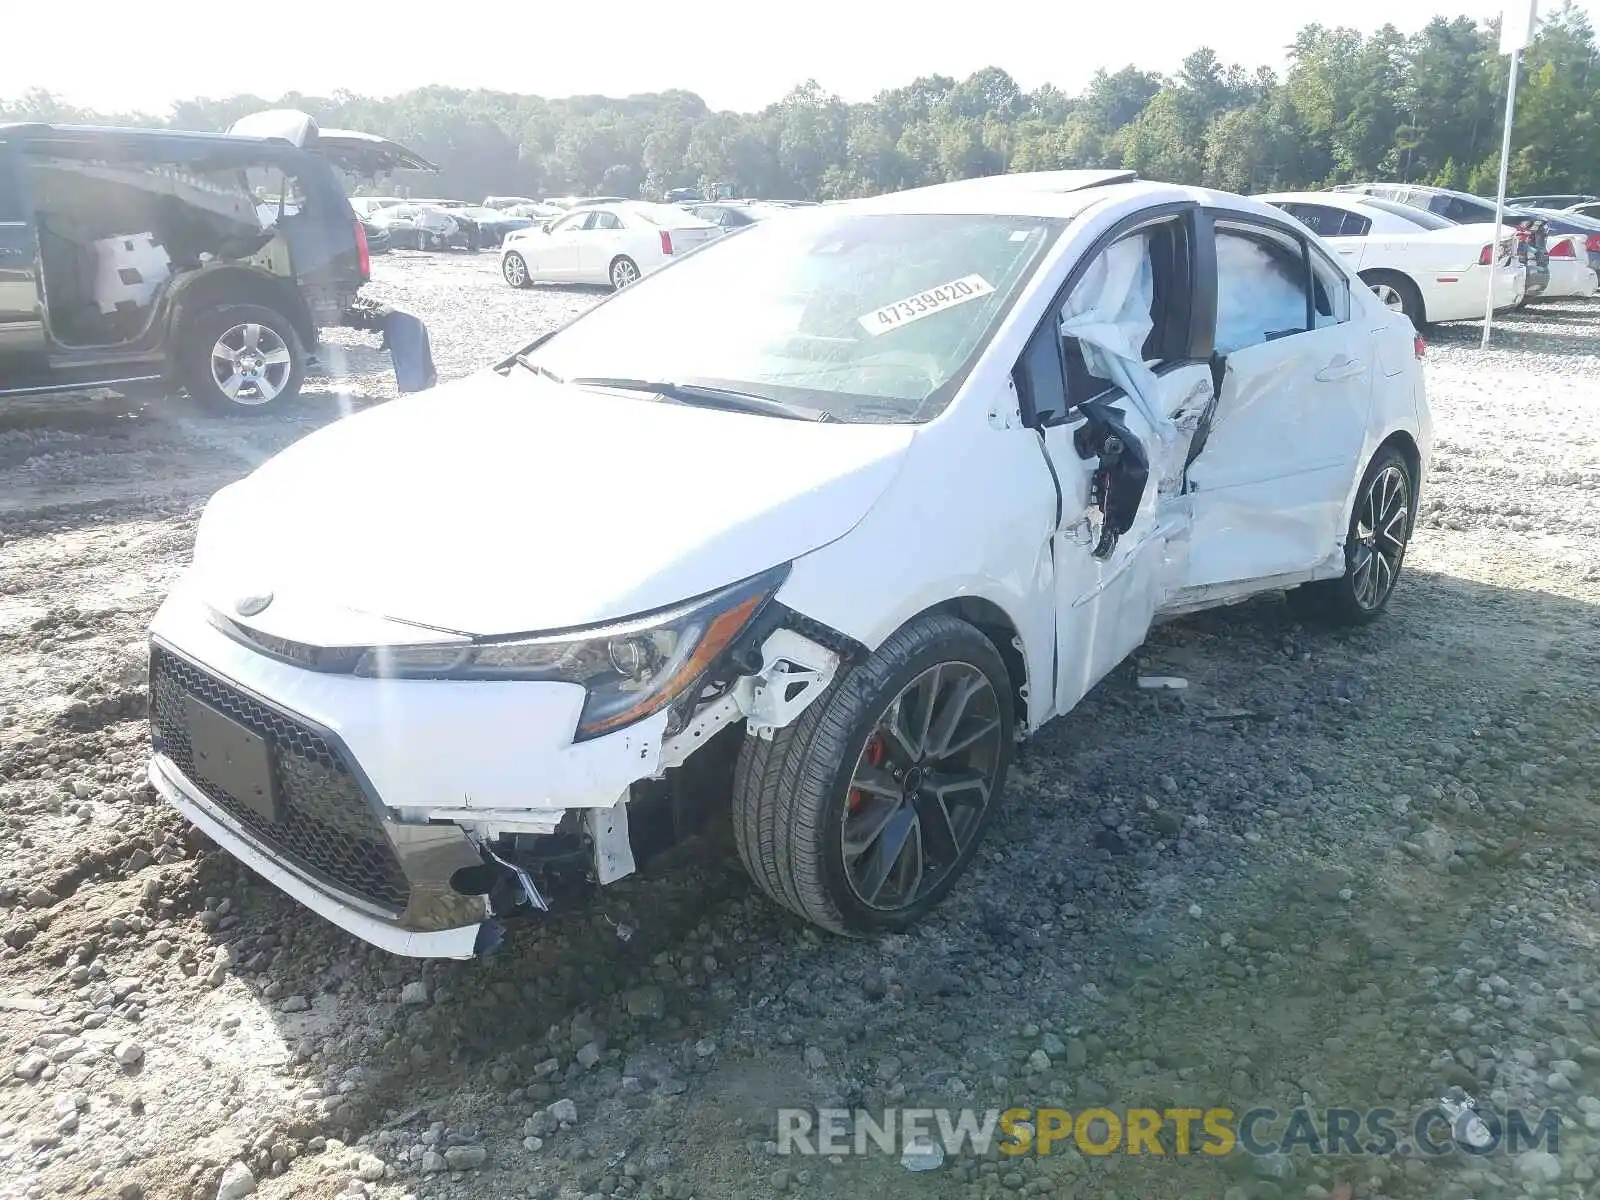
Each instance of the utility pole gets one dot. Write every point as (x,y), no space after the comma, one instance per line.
(1516,30)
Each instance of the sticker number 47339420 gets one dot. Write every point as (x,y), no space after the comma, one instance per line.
(925,304)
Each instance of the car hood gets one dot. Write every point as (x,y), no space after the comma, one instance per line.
(510,504)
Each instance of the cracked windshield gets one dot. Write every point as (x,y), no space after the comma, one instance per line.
(595,605)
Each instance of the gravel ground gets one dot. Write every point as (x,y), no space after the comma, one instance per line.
(1351,870)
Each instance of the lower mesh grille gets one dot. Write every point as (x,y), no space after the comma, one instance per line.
(326,826)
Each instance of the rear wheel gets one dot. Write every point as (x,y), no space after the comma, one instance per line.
(515,270)
(1396,293)
(241,359)
(862,814)
(1374,549)
(623,272)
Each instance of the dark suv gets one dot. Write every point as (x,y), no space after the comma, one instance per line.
(145,259)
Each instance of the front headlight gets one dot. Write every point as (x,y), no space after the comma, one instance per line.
(630,670)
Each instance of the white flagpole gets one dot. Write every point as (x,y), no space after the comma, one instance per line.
(1516,27)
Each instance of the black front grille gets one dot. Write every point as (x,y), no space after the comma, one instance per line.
(325,826)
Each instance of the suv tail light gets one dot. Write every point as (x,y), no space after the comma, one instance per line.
(1418,346)
(363,255)
(1562,249)
(1486,256)
(666,242)
(1593,244)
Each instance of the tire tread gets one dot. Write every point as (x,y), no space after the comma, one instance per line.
(782,784)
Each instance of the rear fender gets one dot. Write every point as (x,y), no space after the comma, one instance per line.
(219,284)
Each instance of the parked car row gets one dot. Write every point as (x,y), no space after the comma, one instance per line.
(1437,255)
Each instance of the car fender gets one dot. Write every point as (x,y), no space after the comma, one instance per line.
(218,284)
(966,524)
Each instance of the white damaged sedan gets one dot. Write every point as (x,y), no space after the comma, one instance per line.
(805,531)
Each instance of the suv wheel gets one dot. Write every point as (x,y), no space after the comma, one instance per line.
(862,814)
(241,359)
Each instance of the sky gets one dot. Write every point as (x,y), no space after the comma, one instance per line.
(738,56)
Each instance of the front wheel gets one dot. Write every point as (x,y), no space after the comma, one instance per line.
(515,270)
(240,359)
(623,272)
(1374,549)
(862,814)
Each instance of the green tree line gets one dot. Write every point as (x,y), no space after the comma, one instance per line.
(1425,107)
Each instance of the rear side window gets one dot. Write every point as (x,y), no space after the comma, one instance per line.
(1463,211)
(1419,217)
(1326,221)
(275,189)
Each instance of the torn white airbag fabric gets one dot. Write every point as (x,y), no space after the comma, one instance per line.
(1257,294)
(1109,313)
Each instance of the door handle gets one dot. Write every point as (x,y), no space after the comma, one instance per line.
(1340,368)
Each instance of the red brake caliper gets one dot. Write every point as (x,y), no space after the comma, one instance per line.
(873,755)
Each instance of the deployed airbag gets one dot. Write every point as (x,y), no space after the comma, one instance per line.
(1108,313)
(1259,294)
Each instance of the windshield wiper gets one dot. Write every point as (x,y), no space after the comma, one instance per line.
(522,360)
(702,396)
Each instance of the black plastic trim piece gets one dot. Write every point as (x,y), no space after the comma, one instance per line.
(846,647)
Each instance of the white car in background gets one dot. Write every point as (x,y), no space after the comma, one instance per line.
(892,483)
(730,216)
(617,242)
(1570,272)
(1415,261)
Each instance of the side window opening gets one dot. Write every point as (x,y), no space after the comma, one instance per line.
(1355,225)
(113,232)
(275,190)
(1262,286)
(1132,303)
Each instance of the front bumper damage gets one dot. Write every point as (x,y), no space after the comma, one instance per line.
(461,931)
(411,813)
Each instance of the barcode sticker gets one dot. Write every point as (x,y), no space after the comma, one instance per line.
(925,304)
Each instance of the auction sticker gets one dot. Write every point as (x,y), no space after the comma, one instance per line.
(925,304)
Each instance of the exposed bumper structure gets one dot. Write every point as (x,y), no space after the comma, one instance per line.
(386,805)
(284,795)
(461,941)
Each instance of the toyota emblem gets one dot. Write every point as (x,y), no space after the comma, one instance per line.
(249,606)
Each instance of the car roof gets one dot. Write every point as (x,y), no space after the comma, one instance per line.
(1427,189)
(1350,201)
(1062,195)
(134,137)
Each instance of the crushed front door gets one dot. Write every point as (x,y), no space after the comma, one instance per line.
(1119,459)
